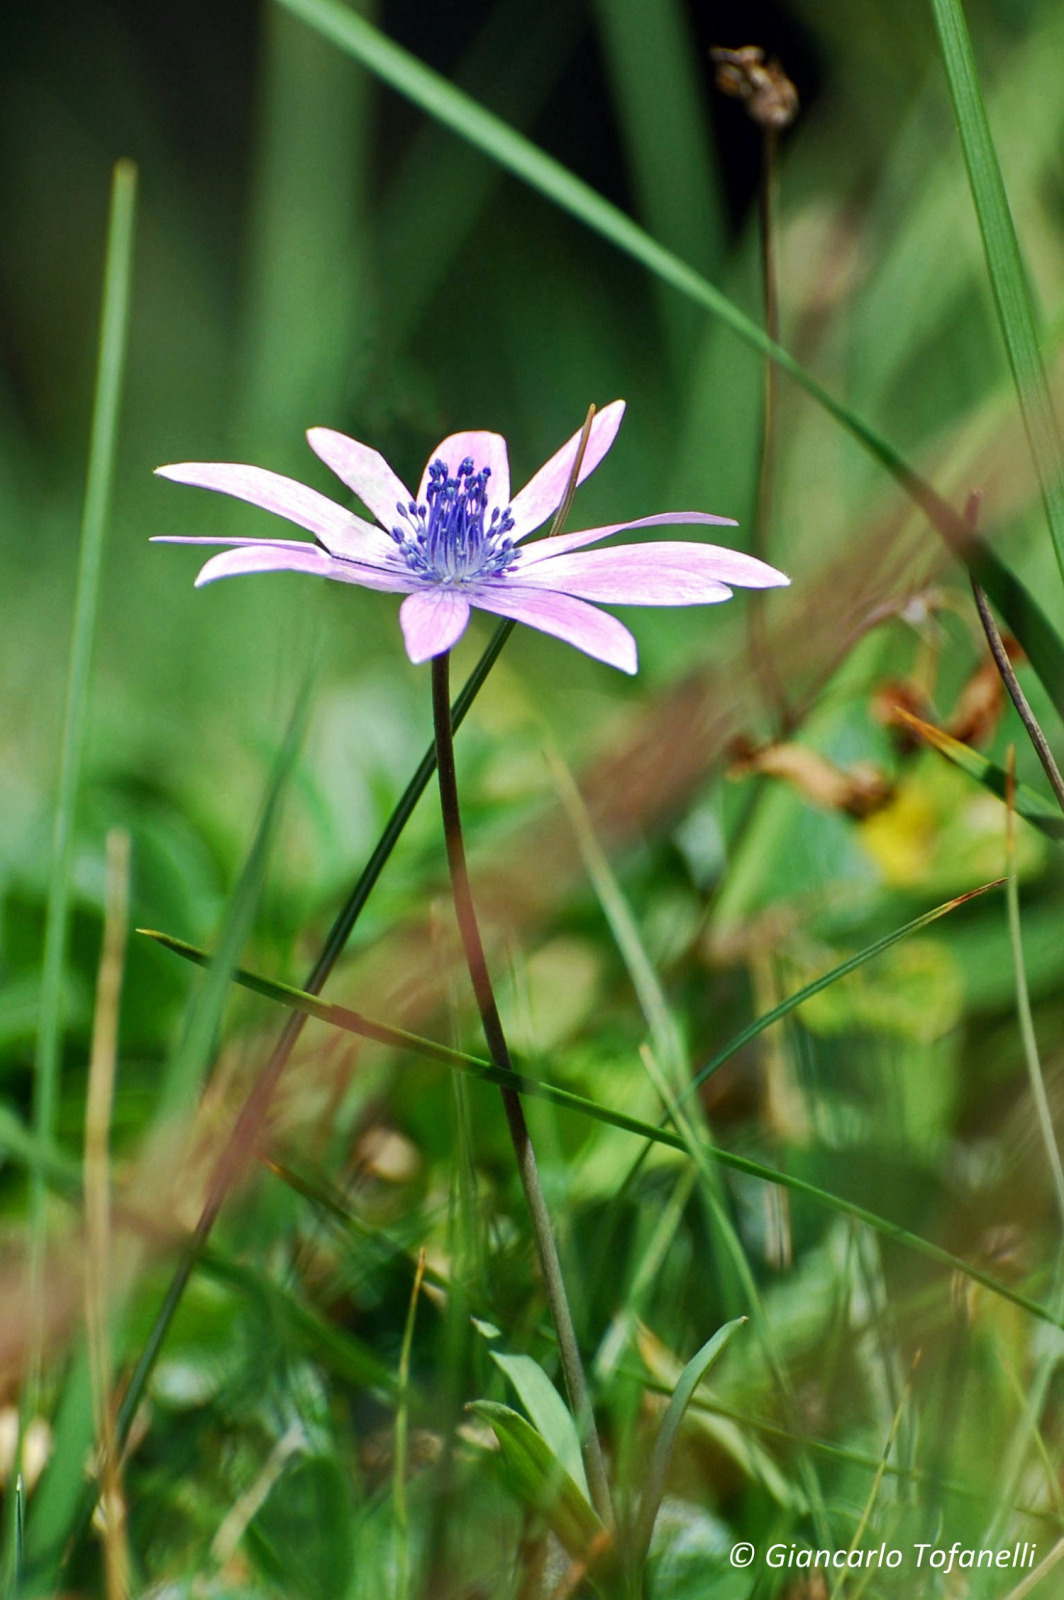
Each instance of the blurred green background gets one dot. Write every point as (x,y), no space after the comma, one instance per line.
(312,250)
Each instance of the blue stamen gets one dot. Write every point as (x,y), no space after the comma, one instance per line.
(445,540)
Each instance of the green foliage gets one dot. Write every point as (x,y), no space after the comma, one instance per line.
(764,1079)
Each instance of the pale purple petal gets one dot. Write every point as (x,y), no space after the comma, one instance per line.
(593,631)
(265,558)
(432,621)
(485,450)
(665,574)
(338,530)
(541,549)
(542,494)
(206,538)
(282,555)
(363,470)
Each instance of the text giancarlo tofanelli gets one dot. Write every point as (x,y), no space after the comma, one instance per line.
(943,1558)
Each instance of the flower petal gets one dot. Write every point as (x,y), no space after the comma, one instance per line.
(282,555)
(338,530)
(432,621)
(593,631)
(363,470)
(561,542)
(542,494)
(486,450)
(207,538)
(666,574)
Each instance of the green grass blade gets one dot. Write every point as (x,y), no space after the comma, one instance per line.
(1012,295)
(497,139)
(841,971)
(1033,807)
(548,1411)
(114,324)
(668,1433)
(352,1022)
(539,1480)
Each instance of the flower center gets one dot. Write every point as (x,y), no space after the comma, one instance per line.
(446,540)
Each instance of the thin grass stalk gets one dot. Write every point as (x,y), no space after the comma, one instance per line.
(1028,1584)
(185,1067)
(527,1166)
(97,1185)
(110,368)
(873,1493)
(1016,694)
(703,1154)
(1030,1421)
(353,1022)
(402,1439)
(1023,997)
(666,1064)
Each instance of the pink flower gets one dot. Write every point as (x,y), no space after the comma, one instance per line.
(459,542)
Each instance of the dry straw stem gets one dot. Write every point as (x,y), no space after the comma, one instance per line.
(97,1184)
(1028,1584)
(402,1436)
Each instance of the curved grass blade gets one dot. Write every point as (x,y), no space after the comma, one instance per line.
(668,1432)
(539,1480)
(1008,280)
(352,1022)
(1029,804)
(1007,673)
(503,144)
(851,965)
(549,1413)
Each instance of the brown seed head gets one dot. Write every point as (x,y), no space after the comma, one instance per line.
(768,94)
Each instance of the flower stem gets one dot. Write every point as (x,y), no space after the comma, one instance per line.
(761,654)
(546,1246)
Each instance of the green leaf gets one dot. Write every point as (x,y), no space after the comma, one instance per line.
(1040,813)
(1012,295)
(665,1443)
(110,369)
(503,144)
(548,1412)
(539,1480)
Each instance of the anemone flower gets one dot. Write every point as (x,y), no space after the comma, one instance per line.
(459,542)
